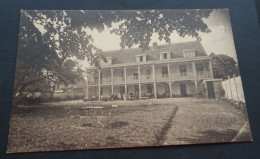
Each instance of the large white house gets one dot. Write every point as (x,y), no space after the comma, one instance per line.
(163,71)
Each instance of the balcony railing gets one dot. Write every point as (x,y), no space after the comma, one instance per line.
(92,82)
(149,78)
(132,79)
(146,78)
(203,74)
(183,76)
(106,81)
(119,80)
(161,77)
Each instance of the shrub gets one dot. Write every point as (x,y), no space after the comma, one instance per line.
(200,92)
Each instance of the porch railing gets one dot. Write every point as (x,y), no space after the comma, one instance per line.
(203,74)
(119,80)
(183,76)
(132,79)
(106,81)
(149,78)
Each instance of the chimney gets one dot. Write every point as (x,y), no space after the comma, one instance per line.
(155,45)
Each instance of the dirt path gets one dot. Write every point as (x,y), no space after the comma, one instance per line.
(161,136)
(207,123)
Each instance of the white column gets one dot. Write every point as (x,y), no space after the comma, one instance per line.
(230,88)
(169,77)
(236,88)
(112,81)
(86,91)
(154,83)
(194,71)
(206,90)
(139,82)
(210,67)
(125,81)
(99,87)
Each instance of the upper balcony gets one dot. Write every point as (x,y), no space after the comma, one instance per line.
(171,71)
(149,78)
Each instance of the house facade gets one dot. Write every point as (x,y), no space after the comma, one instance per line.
(163,71)
(78,87)
(223,66)
(72,91)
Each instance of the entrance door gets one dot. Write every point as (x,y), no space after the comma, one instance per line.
(183,89)
(210,88)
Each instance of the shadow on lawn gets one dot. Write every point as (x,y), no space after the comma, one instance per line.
(211,136)
(117,124)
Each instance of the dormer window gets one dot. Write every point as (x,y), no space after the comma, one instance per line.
(165,55)
(141,58)
(109,61)
(188,53)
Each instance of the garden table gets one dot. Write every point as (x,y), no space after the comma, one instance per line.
(94,110)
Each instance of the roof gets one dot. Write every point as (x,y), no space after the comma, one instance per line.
(175,49)
(224,58)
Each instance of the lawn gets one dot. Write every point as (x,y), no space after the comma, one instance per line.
(58,126)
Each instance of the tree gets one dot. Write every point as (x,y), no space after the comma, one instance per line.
(50,41)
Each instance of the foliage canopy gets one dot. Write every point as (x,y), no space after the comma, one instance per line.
(50,41)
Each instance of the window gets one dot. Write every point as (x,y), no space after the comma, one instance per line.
(216,72)
(123,75)
(164,55)
(214,62)
(136,75)
(148,74)
(189,53)
(183,70)
(164,71)
(96,80)
(199,67)
(141,59)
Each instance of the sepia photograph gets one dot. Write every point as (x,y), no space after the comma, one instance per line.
(99,79)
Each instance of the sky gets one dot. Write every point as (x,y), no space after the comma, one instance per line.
(219,40)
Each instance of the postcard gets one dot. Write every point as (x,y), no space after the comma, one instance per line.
(97,79)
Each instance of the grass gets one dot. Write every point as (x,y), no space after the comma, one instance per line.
(58,126)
